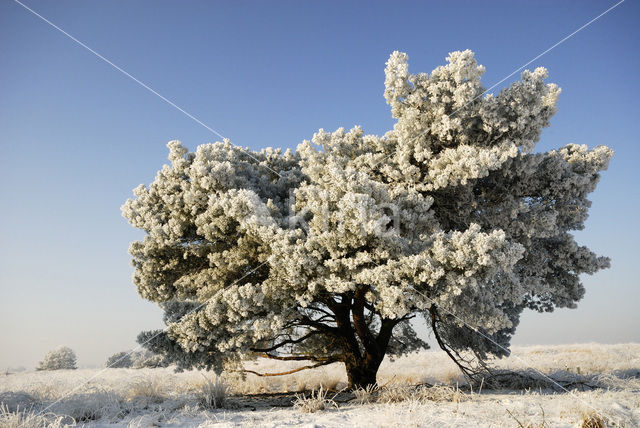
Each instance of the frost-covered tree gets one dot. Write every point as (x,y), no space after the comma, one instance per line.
(62,358)
(119,360)
(325,254)
(146,359)
(137,360)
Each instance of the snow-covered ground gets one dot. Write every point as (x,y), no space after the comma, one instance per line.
(160,397)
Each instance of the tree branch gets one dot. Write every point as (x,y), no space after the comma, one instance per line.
(325,318)
(306,321)
(321,310)
(386,331)
(286,342)
(344,328)
(359,320)
(405,318)
(434,318)
(291,371)
(293,357)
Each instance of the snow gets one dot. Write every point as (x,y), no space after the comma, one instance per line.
(160,397)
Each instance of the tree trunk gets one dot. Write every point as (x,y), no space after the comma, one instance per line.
(361,373)
(361,358)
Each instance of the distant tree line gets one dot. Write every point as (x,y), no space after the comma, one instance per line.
(64,358)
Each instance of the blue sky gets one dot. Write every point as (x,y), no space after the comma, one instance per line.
(77,136)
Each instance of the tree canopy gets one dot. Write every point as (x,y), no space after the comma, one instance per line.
(327,252)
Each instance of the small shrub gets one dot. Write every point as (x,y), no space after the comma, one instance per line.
(59,359)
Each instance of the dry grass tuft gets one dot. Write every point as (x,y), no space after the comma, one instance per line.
(541,424)
(592,420)
(151,390)
(365,395)
(330,384)
(395,394)
(213,393)
(316,401)
(32,419)
(454,376)
(421,394)
(440,393)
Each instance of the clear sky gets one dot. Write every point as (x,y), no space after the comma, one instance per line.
(76,135)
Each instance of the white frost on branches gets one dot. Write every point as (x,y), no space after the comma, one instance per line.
(450,208)
(61,358)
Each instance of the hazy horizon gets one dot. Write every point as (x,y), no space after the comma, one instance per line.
(78,136)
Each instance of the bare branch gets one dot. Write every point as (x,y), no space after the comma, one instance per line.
(292,371)
(286,342)
(306,321)
(291,357)
(321,310)
(468,371)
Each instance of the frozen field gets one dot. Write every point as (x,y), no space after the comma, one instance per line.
(160,397)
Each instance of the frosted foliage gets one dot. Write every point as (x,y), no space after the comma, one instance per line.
(58,359)
(120,360)
(328,251)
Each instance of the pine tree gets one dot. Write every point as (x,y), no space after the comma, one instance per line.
(325,254)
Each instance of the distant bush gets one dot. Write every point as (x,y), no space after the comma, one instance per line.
(147,359)
(137,360)
(120,360)
(59,359)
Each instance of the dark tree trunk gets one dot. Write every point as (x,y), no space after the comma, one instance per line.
(362,373)
(363,351)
